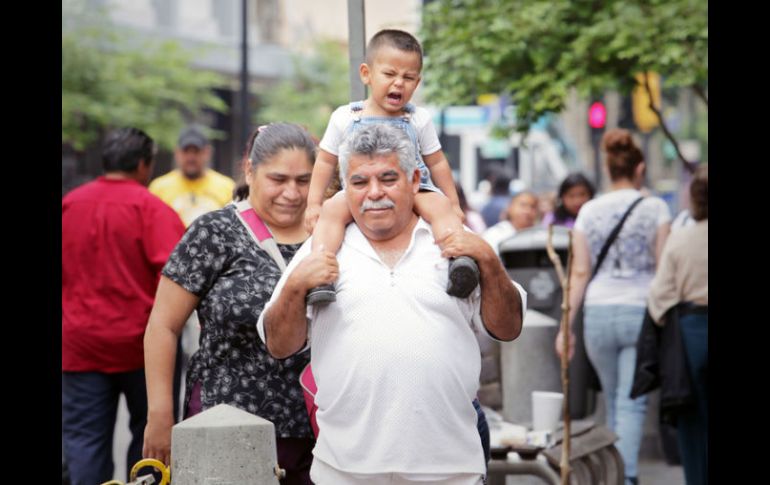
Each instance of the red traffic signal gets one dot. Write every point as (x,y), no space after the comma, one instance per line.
(597,115)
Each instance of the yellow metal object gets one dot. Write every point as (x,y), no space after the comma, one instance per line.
(644,116)
(485,99)
(113,482)
(165,477)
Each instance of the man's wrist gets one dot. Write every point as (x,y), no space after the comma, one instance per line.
(295,287)
(486,258)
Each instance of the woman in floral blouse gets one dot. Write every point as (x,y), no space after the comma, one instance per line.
(218,270)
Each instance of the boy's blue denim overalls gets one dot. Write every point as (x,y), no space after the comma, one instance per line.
(405,123)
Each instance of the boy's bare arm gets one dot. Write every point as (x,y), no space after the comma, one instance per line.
(323,172)
(441,174)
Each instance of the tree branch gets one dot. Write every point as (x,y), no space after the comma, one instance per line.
(687,165)
(564,282)
(701,94)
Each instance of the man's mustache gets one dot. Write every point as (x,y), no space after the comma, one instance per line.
(377,204)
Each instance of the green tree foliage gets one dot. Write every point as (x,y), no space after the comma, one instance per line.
(318,85)
(537,50)
(110,78)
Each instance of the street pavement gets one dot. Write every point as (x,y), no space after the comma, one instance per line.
(653,470)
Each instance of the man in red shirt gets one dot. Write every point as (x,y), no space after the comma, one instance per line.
(116,237)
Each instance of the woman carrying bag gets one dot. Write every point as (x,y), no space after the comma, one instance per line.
(682,285)
(226,266)
(628,231)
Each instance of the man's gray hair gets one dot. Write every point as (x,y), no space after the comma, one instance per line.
(378,139)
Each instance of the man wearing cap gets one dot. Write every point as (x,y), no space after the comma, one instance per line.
(193,189)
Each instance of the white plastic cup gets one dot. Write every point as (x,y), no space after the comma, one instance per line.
(546,410)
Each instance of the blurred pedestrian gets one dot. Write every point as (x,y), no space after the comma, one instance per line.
(682,281)
(193,188)
(574,191)
(218,269)
(493,210)
(521,214)
(116,237)
(472,218)
(682,220)
(546,202)
(616,297)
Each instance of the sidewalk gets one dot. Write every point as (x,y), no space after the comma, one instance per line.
(657,472)
(653,469)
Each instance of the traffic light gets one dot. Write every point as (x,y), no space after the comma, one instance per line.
(597,115)
(597,119)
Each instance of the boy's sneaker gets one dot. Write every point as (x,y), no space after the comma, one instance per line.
(463,276)
(321,294)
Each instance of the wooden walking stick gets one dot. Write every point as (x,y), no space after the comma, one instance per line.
(564,282)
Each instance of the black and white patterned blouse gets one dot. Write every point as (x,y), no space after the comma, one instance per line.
(219,262)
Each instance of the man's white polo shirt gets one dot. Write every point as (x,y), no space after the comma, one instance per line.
(396,363)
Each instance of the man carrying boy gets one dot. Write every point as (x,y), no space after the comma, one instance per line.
(395,357)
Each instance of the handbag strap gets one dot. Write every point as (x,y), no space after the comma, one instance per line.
(613,235)
(259,231)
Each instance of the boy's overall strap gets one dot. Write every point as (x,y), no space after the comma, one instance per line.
(259,231)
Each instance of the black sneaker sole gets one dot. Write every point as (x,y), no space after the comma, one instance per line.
(463,277)
(321,294)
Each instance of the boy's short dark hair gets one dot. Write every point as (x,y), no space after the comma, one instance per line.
(403,41)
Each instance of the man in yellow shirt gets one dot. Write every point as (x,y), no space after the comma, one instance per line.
(193,189)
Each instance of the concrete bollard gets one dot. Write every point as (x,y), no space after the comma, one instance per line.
(223,445)
(528,364)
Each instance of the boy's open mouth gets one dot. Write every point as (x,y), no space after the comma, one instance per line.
(394,96)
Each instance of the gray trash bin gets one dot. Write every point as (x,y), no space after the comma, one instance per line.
(527,365)
(526,260)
